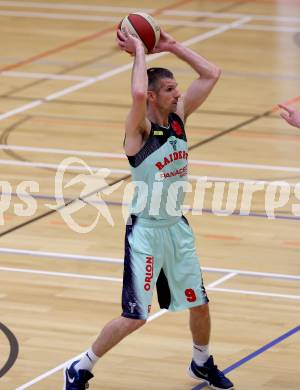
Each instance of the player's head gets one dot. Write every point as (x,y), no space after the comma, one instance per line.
(162,88)
(155,75)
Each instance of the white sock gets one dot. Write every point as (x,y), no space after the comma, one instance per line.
(200,354)
(87,362)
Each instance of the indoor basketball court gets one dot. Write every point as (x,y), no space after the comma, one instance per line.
(65,94)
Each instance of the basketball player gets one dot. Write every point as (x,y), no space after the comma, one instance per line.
(291,115)
(159,243)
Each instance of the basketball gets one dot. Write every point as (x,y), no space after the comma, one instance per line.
(142,26)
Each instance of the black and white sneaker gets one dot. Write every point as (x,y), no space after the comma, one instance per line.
(210,373)
(76,380)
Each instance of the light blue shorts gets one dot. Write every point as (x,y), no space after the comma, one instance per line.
(160,253)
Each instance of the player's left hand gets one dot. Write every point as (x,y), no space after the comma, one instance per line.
(165,43)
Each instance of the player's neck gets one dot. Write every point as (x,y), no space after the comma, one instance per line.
(157,116)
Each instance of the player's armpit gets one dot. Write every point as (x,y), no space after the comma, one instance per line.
(135,137)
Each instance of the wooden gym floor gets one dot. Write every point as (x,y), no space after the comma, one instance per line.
(64,94)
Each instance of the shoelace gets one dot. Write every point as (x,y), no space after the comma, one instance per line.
(215,370)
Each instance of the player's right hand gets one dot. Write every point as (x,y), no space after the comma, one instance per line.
(127,41)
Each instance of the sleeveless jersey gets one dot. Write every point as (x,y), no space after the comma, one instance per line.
(159,172)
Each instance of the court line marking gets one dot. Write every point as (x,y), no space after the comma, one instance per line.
(80,40)
(36,164)
(57,49)
(217,179)
(122,156)
(70,77)
(221,280)
(79,7)
(62,151)
(119,280)
(112,9)
(118,70)
(57,16)
(222,15)
(76,168)
(254,354)
(114,260)
(13,349)
(60,274)
(245,165)
(48,76)
(151,318)
(48,373)
(256,293)
(252,273)
(258,27)
(157,315)
(186,208)
(164,22)
(61,366)
(26,164)
(70,256)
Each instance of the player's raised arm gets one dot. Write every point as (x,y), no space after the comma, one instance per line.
(136,122)
(207,71)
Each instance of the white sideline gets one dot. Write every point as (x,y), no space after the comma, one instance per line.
(70,77)
(257,293)
(71,256)
(109,279)
(112,9)
(164,22)
(76,168)
(87,153)
(60,274)
(126,10)
(102,259)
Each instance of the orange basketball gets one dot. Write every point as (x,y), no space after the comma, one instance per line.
(142,26)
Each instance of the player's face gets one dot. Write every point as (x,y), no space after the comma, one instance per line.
(168,94)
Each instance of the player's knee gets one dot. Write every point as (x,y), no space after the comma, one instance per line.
(202,310)
(134,324)
(138,324)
